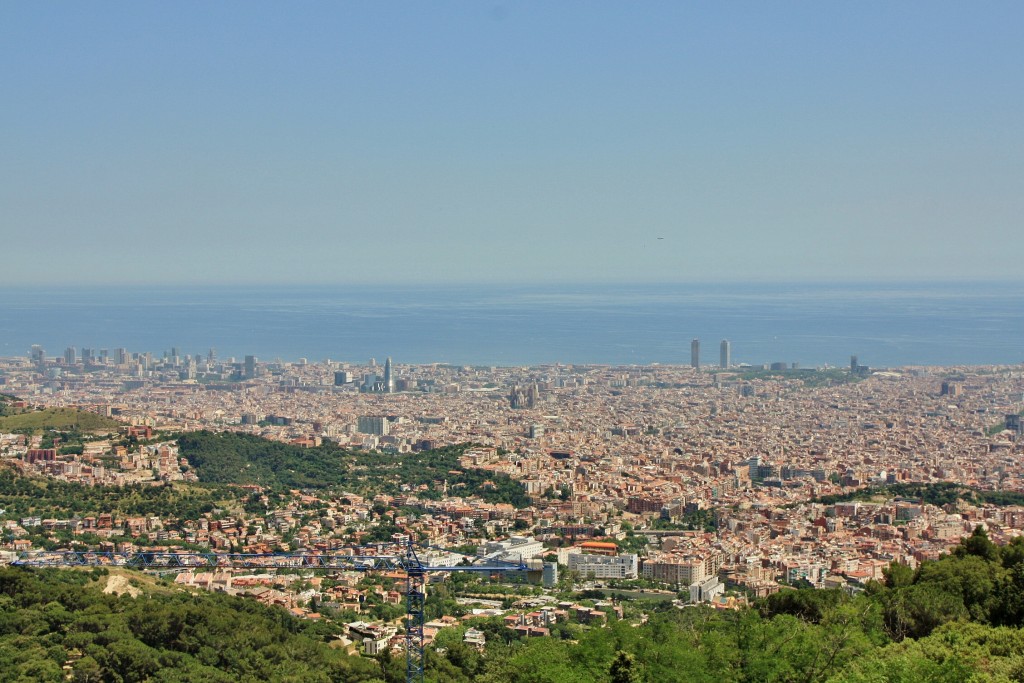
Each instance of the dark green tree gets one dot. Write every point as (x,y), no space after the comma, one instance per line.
(979,545)
(624,669)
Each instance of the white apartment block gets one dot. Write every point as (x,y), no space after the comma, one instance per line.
(515,549)
(604,566)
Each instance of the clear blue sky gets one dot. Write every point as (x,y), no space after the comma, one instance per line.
(311,142)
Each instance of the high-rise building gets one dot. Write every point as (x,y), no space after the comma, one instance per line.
(857,369)
(1014,423)
(389,380)
(39,357)
(371,384)
(695,353)
(250,367)
(121,356)
(550,574)
(70,354)
(373,424)
(725,354)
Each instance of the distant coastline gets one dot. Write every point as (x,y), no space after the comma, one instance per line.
(811,324)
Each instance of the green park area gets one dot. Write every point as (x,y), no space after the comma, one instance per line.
(56,418)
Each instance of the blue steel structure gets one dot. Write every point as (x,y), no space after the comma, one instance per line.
(367,559)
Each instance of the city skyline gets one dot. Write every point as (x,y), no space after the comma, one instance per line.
(810,324)
(243,143)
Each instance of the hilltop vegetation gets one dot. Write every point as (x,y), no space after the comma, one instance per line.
(938,493)
(5,401)
(230,458)
(952,620)
(52,618)
(223,461)
(23,496)
(56,419)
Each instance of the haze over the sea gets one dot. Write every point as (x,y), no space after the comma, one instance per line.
(809,324)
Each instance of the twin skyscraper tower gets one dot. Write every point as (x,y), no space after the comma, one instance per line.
(724,351)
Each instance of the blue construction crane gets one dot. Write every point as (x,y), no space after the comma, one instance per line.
(368,559)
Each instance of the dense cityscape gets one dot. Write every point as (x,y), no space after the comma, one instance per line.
(711,484)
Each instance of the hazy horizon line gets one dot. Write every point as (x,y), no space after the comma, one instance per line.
(454,284)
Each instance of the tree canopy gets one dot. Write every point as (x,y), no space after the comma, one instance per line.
(231,458)
(951,620)
(52,618)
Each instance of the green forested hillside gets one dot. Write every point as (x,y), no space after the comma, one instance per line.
(954,620)
(22,496)
(936,493)
(51,618)
(230,458)
(5,401)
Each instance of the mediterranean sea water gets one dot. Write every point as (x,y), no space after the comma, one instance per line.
(810,324)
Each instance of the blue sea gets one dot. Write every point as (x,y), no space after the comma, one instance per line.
(810,324)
